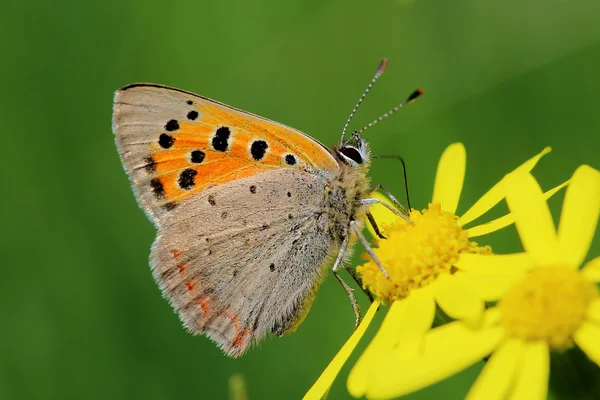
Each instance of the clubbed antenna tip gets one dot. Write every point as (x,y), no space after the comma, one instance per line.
(414,96)
(382,66)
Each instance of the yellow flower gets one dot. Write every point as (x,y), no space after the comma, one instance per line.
(421,261)
(552,306)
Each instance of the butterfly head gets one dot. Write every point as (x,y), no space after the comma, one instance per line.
(354,152)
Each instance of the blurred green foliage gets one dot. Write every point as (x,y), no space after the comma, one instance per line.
(80,314)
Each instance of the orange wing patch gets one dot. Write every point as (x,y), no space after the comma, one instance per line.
(214,144)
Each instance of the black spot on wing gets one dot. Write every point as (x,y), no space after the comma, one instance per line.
(157,188)
(290,159)
(170,206)
(192,115)
(150,164)
(220,141)
(172,125)
(166,141)
(186,179)
(258,149)
(197,156)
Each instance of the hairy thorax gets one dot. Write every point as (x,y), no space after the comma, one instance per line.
(342,197)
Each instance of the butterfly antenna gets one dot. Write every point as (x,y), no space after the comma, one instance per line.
(380,70)
(408,100)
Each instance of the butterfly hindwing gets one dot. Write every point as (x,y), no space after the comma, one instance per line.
(244,258)
(175,144)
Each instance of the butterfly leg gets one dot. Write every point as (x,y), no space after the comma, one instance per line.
(370,201)
(348,289)
(367,246)
(391,197)
(352,298)
(374,225)
(359,282)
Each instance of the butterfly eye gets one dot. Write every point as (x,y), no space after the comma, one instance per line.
(352,153)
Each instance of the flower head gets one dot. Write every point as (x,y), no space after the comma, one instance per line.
(552,305)
(548,304)
(422,261)
(415,255)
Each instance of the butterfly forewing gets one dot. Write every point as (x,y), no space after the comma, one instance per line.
(175,144)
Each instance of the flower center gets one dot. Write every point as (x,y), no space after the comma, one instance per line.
(415,255)
(548,304)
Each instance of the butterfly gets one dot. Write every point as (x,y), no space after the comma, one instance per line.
(250,213)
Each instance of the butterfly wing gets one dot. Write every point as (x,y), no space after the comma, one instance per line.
(174,144)
(243,237)
(239,262)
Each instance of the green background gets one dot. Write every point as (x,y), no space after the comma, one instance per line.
(80,316)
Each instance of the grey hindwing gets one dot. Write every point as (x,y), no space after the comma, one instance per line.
(244,258)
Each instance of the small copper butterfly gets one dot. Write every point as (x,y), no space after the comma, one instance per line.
(249,212)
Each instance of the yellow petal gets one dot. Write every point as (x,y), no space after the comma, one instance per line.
(593,312)
(586,338)
(382,216)
(496,193)
(555,190)
(498,374)
(322,385)
(458,301)
(579,216)
(528,165)
(420,311)
(508,219)
(450,177)
(385,340)
(496,264)
(534,369)
(400,337)
(492,226)
(592,270)
(486,287)
(532,217)
(447,350)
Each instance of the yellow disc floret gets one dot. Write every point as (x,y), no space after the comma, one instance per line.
(415,255)
(548,304)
